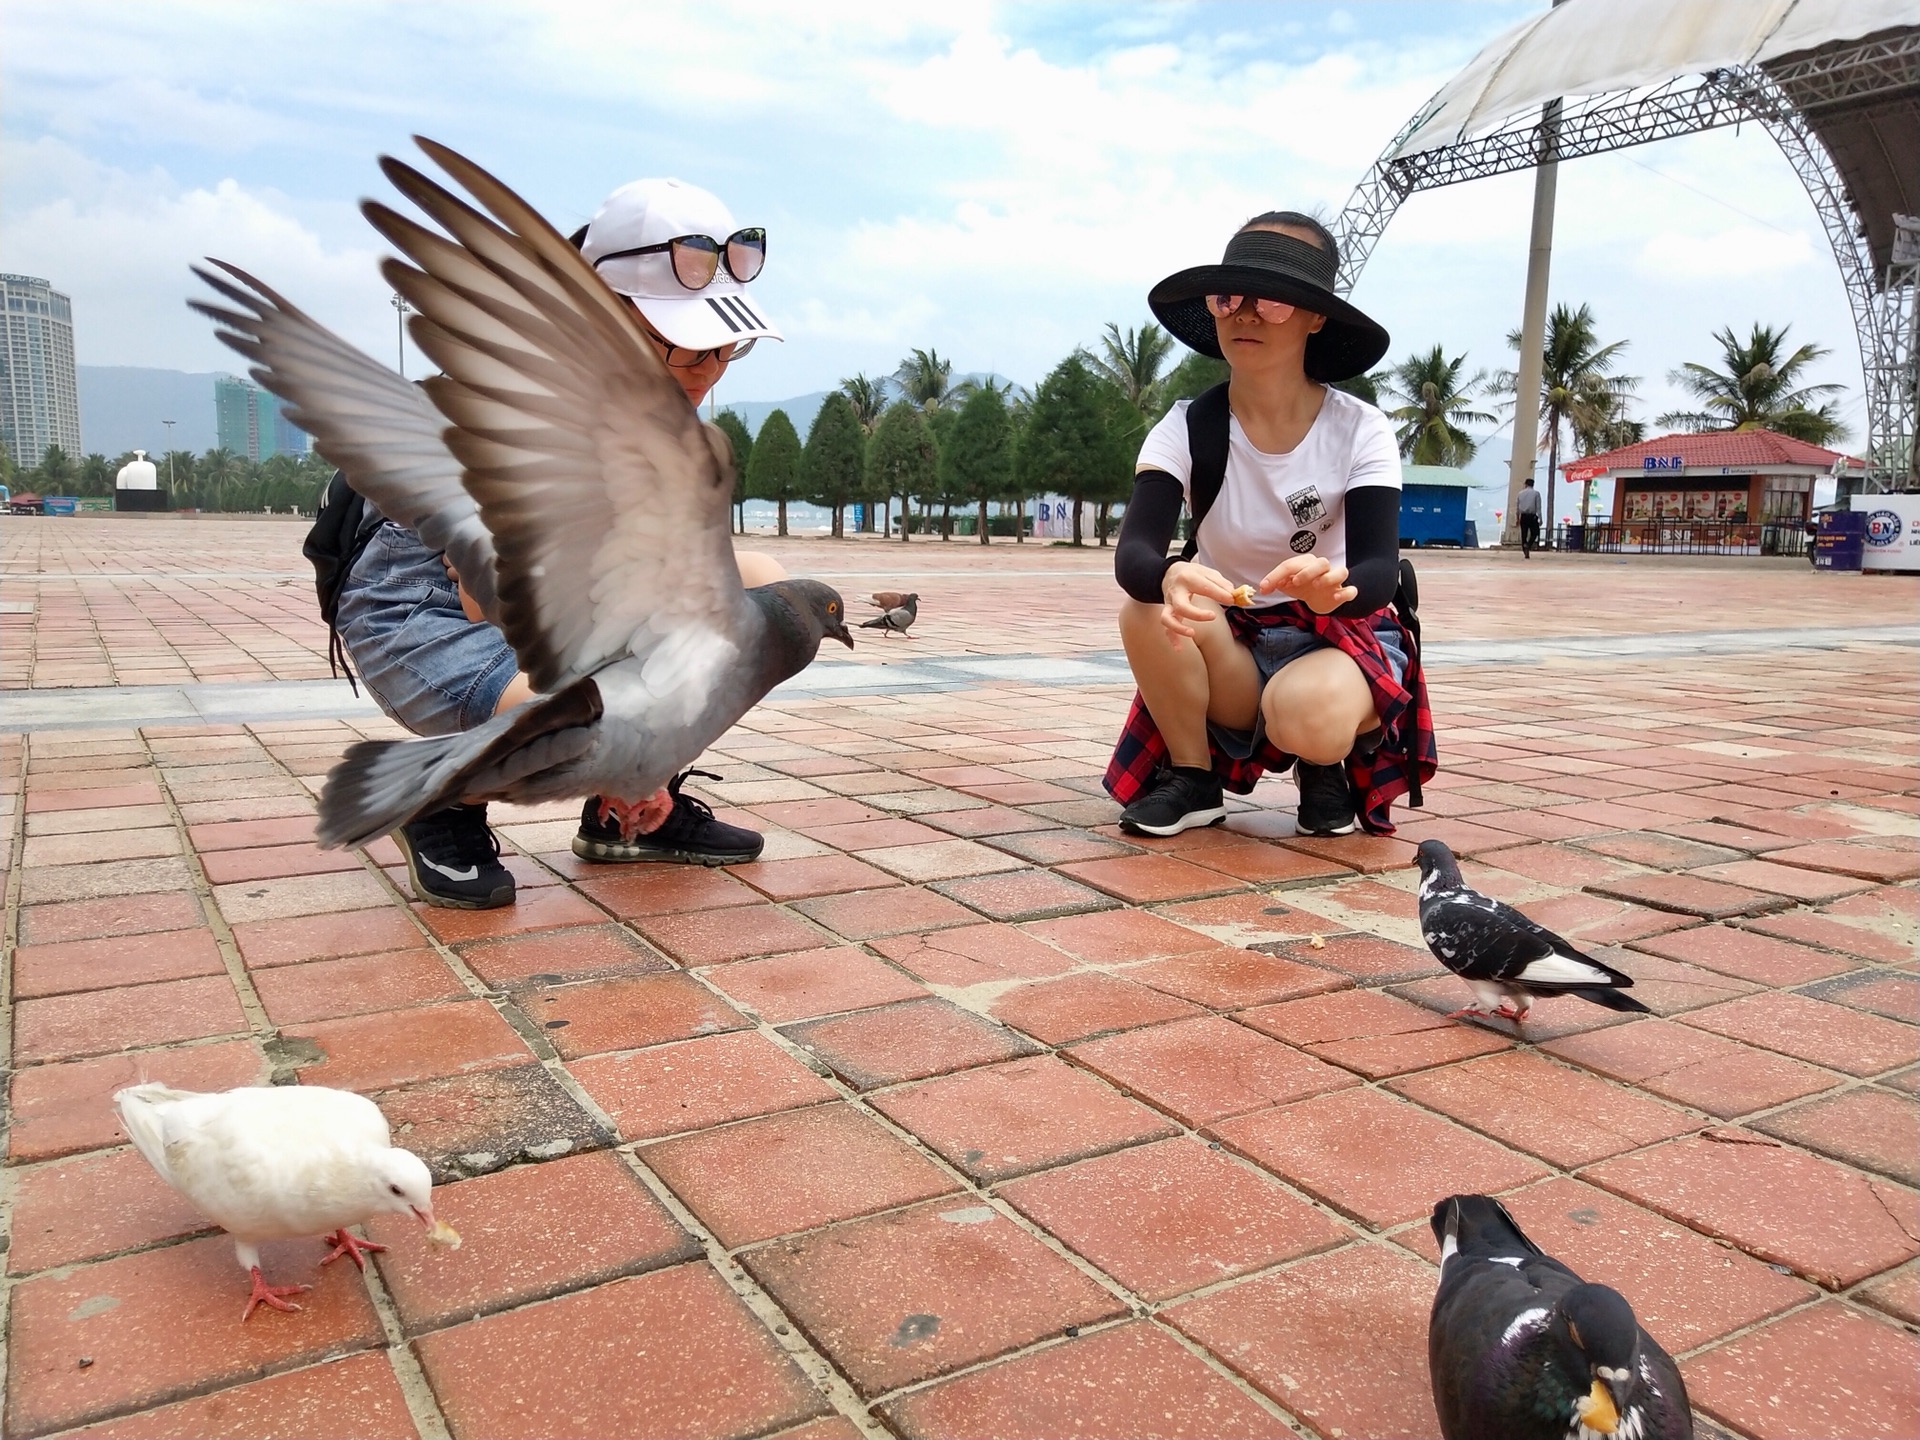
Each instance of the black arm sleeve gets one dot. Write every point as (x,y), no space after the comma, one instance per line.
(1373,548)
(1153,515)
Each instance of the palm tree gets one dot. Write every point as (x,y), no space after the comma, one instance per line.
(926,379)
(1132,363)
(218,474)
(869,399)
(1759,389)
(1437,405)
(1578,391)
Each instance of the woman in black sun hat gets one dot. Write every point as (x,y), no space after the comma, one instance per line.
(1270,642)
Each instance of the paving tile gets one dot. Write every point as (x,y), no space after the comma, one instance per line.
(550,956)
(1058,847)
(1373,1034)
(638,890)
(973,955)
(66,1027)
(251,834)
(1350,1150)
(354,1398)
(1874,1129)
(712,937)
(527,1233)
(1229,979)
(1075,1007)
(913,1294)
(907,1041)
(1024,895)
(1004,1120)
(325,937)
(1260,863)
(806,815)
(1567,866)
(868,914)
(875,834)
(1759,958)
(793,1171)
(1174,1216)
(1248,918)
(61,1108)
(271,862)
(547,908)
(251,900)
(941,859)
(1662,852)
(1810,887)
(1866,861)
(669,1089)
(1831,934)
(1784,1381)
(1588,919)
(1340,1340)
(638,1356)
(1812,1030)
(1147,879)
(1742,1187)
(627,1012)
(1200,1071)
(1114,937)
(813,982)
(53,884)
(1369,854)
(114,915)
(162,1324)
(1134,1380)
(75,965)
(1368,959)
(991,821)
(326,989)
(93,797)
(104,847)
(811,875)
(91,1206)
(1879,992)
(1688,895)
(1897,1294)
(1566,1117)
(485,1120)
(99,821)
(396,1047)
(1686,1289)
(1692,1067)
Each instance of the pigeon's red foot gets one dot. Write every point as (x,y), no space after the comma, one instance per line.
(1507,1012)
(1464,1012)
(346,1243)
(639,819)
(269,1295)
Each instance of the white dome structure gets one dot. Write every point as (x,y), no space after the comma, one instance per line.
(138,473)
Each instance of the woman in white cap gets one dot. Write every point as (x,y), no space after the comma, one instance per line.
(416,637)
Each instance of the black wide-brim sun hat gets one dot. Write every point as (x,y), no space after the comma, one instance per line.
(1273,266)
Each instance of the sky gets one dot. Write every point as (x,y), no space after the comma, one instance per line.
(997,182)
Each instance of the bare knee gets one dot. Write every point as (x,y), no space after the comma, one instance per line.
(1316,714)
(757,568)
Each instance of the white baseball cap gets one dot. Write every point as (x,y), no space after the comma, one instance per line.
(647,213)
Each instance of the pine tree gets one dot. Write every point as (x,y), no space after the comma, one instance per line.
(773,470)
(833,462)
(903,459)
(976,463)
(735,429)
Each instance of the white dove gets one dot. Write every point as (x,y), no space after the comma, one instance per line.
(281,1162)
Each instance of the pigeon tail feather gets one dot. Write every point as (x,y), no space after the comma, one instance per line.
(1477,1226)
(1611,999)
(137,1106)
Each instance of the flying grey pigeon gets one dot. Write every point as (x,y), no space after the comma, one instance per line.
(1519,1348)
(573,488)
(281,1162)
(895,618)
(1500,953)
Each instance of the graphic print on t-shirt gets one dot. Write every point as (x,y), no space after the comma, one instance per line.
(1302,541)
(1306,506)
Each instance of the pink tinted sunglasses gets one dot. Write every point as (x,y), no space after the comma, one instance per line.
(1272,311)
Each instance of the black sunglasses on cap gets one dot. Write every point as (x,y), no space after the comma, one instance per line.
(697,258)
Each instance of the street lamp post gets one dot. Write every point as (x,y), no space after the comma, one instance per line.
(401,309)
(169,424)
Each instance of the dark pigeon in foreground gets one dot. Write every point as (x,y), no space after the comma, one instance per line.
(1520,1348)
(1500,953)
(897,613)
(573,488)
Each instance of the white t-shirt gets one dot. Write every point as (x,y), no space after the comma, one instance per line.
(1271,507)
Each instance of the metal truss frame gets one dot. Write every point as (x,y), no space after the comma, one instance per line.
(1884,306)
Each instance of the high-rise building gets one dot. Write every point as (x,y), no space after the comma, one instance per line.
(39,392)
(250,422)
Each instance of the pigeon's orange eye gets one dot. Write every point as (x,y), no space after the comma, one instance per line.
(832,608)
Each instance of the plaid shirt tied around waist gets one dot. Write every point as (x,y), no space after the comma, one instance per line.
(1407,756)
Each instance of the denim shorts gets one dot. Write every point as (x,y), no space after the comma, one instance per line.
(1275,647)
(422,660)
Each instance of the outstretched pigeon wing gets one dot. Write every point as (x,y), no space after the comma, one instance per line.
(381,431)
(606,497)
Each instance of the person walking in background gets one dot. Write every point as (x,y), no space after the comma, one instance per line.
(1526,507)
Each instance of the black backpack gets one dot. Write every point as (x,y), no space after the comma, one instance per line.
(340,532)
(1208,439)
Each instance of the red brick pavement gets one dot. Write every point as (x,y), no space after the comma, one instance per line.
(961,1103)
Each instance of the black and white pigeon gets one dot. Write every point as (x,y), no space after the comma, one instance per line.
(1520,1348)
(897,612)
(1503,956)
(572,487)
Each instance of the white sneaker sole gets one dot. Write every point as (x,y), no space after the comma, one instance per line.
(1192,820)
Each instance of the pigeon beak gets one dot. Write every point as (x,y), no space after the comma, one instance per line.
(843,635)
(1596,1409)
(439,1232)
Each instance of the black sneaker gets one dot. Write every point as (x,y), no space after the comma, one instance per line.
(688,836)
(1178,799)
(453,859)
(1326,800)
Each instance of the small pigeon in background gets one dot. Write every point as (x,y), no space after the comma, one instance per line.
(1500,953)
(585,507)
(281,1162)
(898,611)
(1520,1348)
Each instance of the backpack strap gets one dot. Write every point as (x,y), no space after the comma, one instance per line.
(341,530)
(1207,426)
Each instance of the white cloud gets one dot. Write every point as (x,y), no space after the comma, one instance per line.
(1743,252)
